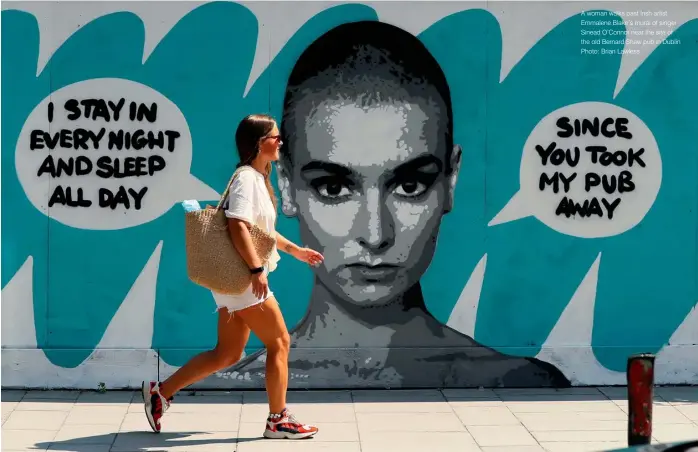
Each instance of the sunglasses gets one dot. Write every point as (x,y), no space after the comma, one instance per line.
(276,138)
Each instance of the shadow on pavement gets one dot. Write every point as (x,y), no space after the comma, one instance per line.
(141,441)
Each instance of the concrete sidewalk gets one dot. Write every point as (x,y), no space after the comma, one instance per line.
(350,421)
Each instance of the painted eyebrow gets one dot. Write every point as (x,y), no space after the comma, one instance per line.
(403,169)
(418,163)
(333,168)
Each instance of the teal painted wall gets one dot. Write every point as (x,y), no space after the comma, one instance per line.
(647,276)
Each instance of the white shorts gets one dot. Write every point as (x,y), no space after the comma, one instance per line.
(237,302)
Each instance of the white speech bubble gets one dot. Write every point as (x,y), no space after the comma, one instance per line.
(103,170)
(609,207)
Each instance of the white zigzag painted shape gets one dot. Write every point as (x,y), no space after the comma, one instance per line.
(568,346)
(521,28)
(124,355)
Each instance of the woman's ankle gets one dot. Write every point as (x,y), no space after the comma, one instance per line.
(276,413)
(164,391)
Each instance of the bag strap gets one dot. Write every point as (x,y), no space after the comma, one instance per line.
(227,189)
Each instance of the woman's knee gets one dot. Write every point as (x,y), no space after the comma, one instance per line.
(267,322)
(280,345)
(226,358)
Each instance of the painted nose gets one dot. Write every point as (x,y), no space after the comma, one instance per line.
(378,227)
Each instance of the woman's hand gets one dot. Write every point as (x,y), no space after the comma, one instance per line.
(260,285)
(308,256)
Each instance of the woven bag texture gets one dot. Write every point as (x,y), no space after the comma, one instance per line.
(212,260)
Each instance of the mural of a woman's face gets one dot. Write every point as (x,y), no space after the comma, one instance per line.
(369,186)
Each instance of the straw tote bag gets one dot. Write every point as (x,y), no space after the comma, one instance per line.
(212,260)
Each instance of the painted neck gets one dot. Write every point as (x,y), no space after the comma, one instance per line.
(398,310)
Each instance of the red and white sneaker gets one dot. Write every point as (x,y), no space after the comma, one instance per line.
(155,404)
(285,426)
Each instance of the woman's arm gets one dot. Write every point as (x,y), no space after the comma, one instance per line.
(286,245)
(241,213)
(240,234)
(306,255)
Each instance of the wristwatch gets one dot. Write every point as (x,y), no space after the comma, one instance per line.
(256,270)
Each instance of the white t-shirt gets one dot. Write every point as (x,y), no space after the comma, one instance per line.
(248,200)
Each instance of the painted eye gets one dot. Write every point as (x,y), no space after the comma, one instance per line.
(333,190)
(410,189)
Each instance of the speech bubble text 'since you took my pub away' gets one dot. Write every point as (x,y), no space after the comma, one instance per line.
(613,184)
(589,170)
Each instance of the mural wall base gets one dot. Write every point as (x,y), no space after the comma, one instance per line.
(331,369)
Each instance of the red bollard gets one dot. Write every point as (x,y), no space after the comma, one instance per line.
(640,375)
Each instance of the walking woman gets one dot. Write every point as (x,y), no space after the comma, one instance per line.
(251,200)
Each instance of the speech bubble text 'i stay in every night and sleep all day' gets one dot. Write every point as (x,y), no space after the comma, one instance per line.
(106,154)
(588,170)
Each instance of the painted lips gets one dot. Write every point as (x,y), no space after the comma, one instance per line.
(373,273)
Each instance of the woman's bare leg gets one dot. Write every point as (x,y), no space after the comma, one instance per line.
(267,323)
(233,335)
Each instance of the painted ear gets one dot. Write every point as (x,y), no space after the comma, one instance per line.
(456,158)
(288,205)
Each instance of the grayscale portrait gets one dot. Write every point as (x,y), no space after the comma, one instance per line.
(369,168)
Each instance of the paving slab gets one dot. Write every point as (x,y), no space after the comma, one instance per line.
(462,420)
(86,434)
(408,422)
(418,441)
(43,405)
(175,441)
(97,415)
(585,446)
(675,432)
(509,449)
(80,447)
(298,446)
(486,416)
(502,435)
(35,420)
(26,439)
(580,436)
